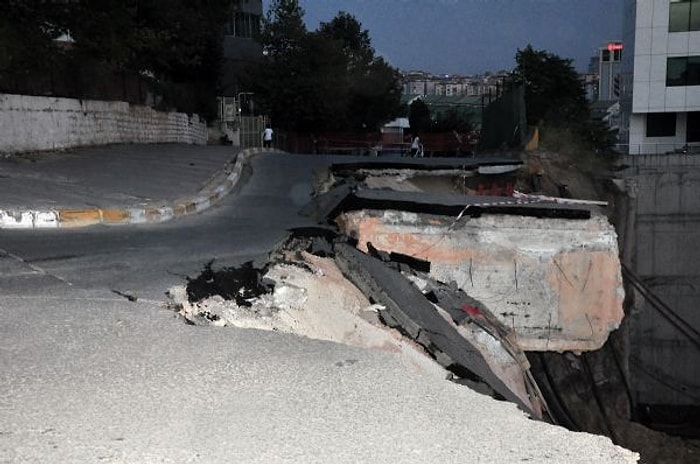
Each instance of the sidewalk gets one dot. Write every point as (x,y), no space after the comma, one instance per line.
(116,184)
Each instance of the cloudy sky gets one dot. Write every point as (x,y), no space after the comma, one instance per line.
(473,36)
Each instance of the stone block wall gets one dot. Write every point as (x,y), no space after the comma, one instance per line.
(30,123)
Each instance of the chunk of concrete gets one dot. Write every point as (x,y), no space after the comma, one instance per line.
(555,281)
(409,310)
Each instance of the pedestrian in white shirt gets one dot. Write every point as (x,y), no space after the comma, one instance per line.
(267,137)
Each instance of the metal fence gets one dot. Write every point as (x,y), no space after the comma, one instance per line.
(252,128)
(242,130)
(658,148)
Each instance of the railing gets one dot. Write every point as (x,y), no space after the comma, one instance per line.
(251,129)
(676,148)
(377,144)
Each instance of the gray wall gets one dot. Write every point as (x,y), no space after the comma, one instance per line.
(664,251)
(29,123)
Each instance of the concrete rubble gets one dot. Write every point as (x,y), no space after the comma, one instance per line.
(309,297)
(359,300)
(460,287)
(548,268)
(556,282)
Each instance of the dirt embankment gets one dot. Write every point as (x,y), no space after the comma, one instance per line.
(554,174)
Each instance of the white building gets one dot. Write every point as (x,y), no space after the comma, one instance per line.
(660,106)
(609,59)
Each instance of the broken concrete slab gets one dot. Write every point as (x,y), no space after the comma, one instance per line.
(407,309)
(309,297)
(425,164)
(496,343)
(329,207)
(555,281)
(477,176)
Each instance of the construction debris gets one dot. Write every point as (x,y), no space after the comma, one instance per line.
(459,285)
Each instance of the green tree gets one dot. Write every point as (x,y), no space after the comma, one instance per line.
(27,48)
(280,81)
(453,119)
(376,96)
(326,80)
(355,42)
(372,87)
(175,45)
(283,29)
(553,92)
(180,44)
(419,117)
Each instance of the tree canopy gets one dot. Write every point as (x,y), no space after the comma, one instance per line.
(555,99)
(325,80)
(419,117)
(175,46)
(553,92)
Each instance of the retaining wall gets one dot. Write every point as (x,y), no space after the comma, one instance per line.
(29,123)
(664,232)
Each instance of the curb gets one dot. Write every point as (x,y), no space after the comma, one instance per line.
(216,187)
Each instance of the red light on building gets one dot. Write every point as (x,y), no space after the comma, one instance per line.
(615,46)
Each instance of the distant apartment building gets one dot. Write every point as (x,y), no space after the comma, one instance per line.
(591,82)
(660,80)
(418,83)
(425,84)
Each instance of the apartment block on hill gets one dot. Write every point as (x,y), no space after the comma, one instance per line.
(426,84)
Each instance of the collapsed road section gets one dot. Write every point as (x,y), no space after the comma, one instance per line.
(471,282)
(551,274)
(548,268)
(330,290)
(460,275)
(466,353)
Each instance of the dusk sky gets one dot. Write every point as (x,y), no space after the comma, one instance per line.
(473,36)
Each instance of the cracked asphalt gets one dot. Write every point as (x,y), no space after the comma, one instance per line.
(89,376)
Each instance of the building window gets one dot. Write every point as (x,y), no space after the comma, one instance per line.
(684,16)
(244,25)
(661,124)
(693,132)
(611,55)
(683,71)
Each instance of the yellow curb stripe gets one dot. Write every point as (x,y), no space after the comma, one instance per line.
(87,217)
(179,210)
(115,216)
(79,217)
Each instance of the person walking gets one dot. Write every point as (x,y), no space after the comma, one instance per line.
(267,136)
(415,147)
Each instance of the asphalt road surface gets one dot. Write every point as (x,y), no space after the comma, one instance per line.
(88,376)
